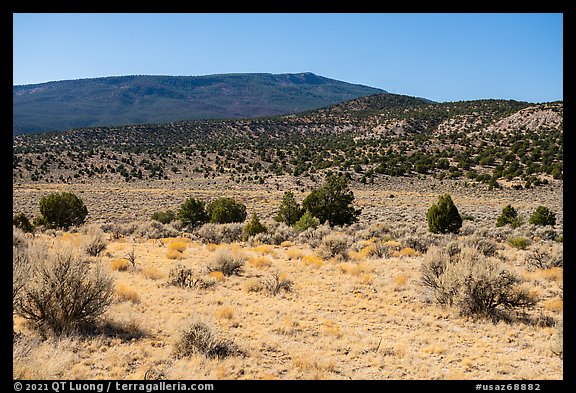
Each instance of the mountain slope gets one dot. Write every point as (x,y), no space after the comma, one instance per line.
(146,99)
(483,141)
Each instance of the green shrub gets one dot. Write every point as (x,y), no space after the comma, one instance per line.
(519,242)
(289,211)
(164,217)
(22,222)
(226,210)
(543,216)
(332,202)
(510,217)
(253,227)
(306,221)
(193,213)
(62,210)
(443,217)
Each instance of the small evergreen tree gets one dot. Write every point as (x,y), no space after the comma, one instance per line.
(226,210)
(444,217)
(509,216)
(253,227)
(164,217)
(21,221)
(193,213)
(289,211)
(62,210)
(543,216)
(306,221)
(332,202)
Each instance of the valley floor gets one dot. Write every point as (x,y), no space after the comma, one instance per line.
(361,318)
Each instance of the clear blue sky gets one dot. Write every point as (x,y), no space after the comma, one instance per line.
(442,57)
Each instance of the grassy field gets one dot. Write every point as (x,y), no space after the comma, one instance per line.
(350,316)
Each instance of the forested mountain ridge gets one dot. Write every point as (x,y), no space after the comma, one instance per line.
(139,99)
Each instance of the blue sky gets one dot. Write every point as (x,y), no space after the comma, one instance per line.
(442,57)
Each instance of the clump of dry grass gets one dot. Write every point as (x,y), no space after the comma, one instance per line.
(294,253)
(252,284)
(178,245)
(125,293)
(120,264)
(153,273)
(199,338)
(331,328)
(259,262)
(225,312)
(554,305)
(36,359)
(405,252)
(21,264)
(217,276)
(264,249)
(399,281)
(176,249)
(312,260)
(354,269)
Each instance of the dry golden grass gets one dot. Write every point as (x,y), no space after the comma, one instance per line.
(120,264)
(313,261)
(259,262)
(294,253)
(125,293)
(405,252)
(218,276)
(554,305)
(177,245)
(399,281)
(362,270)
(174,254)
(331,328)
(335,323)
(225,312)
(327,327)
(252,284)
(153,273)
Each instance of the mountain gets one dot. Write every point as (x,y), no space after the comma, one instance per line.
(145,99)
(480,141)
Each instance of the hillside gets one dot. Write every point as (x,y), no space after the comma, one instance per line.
(493,142)
(146,99)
